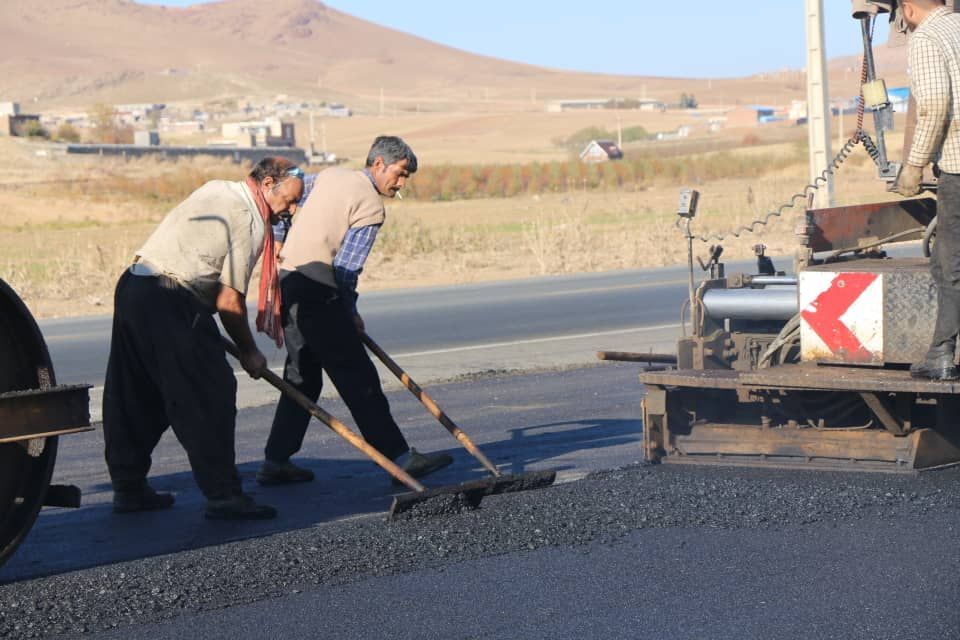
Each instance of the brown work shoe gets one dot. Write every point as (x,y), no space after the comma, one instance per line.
(144,498)
(272,473)
(420,464)
(239,507)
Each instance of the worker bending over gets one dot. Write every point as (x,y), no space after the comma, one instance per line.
(325,250)
(167,364)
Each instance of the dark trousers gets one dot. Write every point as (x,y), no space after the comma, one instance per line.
(945,261)
(320,336)
(167,367)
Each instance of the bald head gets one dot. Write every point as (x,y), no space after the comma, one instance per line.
(915,11)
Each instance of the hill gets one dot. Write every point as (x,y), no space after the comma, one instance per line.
(75,52)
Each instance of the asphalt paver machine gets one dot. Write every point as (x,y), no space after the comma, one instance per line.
(811,370)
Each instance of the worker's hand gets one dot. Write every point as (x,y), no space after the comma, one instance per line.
(908,180)
(254,363)
(358,322)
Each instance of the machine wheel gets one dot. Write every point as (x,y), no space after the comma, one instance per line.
(929,236)
(25,467)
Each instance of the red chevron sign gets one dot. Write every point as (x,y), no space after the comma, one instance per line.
(823,315)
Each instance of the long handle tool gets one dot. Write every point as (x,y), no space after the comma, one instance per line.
(333,423)
(431,406)
(498,483)
(426,502)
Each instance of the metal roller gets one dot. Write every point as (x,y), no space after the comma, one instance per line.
(25,467)
(33,412)
(772,303)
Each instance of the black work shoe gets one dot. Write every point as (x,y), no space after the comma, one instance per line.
(240,507)
(282,473)
(420,464)
(937,365)
(143,499)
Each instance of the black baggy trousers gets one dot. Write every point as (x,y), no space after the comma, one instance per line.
(168,367)
(320,335)
(945,261)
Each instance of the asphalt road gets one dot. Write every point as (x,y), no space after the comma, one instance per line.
(655,552)
(443,318)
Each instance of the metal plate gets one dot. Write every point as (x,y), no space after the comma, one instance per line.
(890,321)
(710,379)
(803,376)
(854,226)
(838,378)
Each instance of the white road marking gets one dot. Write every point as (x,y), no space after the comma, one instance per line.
(489,345)
(622,287)
(516,343)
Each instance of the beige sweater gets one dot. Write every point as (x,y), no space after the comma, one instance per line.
(213,237)
(342,199)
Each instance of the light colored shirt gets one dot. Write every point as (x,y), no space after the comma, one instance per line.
(341,200)
(213,237)
(935,83)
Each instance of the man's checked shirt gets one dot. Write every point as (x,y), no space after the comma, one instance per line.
(349,261)
(935,84)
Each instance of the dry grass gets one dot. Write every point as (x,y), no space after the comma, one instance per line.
(66,241)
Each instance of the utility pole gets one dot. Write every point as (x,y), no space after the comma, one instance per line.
(818,105)
(619,132)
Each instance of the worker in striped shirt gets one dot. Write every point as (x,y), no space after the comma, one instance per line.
(323,255)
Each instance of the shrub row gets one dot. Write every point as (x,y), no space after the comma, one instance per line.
(462,182)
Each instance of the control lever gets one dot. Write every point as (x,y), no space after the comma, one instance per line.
(713,264)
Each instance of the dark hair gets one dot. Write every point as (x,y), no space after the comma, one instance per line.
(392,149)
(272,167)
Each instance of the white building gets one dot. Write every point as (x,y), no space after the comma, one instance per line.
(559,106)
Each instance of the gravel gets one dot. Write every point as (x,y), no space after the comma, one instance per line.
(602,508)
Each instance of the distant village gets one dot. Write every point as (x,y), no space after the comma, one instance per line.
(243,130)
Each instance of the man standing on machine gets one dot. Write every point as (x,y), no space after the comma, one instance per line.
(934,60)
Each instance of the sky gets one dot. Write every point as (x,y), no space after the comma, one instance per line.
(682,38)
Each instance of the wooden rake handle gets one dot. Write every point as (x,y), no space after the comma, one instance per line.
(431,406)
(333,423)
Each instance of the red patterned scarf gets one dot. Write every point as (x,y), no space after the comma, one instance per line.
(268,302)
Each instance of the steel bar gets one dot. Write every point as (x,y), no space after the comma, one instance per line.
(429,403)
(627,356)
(886,417)
(773,280)
(334,424)
(42,413)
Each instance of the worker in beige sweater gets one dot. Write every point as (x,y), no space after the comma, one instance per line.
(336,224)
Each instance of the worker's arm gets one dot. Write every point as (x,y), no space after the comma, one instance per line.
(348,264)
(932,90)
(232,307)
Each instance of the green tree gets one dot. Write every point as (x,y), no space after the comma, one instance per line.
(688,101)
